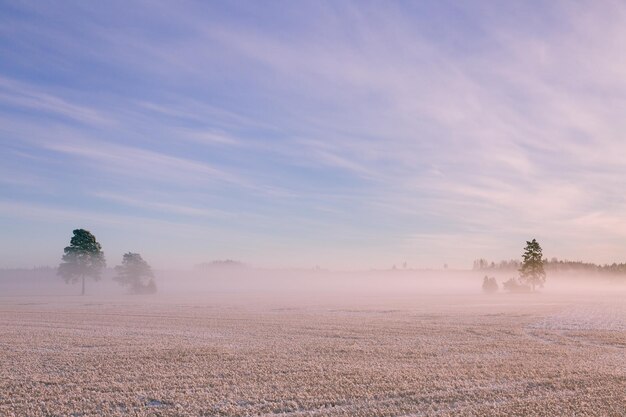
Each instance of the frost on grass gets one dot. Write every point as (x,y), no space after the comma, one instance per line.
(611,317)
(439,356)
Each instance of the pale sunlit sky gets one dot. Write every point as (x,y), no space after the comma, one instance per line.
(302,133)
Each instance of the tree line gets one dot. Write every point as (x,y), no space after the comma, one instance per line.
(551,265)
(84,258)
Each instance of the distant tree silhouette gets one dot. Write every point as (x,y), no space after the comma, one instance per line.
(136,274)
(490,284)
(484,265)
(532,271)
(480,264)
(513,285)
(83,258)
(226,263)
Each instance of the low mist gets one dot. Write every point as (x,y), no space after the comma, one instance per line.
(287,286)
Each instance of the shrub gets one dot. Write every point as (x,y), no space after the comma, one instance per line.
(490,285)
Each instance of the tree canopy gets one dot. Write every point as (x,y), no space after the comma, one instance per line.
(532,271)
(136,274)
(82,258)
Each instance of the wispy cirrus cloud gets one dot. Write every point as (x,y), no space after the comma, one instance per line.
(140,162)
(163,206)
(14,94)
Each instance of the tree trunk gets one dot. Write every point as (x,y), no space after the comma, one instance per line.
(83,292)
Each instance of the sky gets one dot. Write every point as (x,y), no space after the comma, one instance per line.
(343,134)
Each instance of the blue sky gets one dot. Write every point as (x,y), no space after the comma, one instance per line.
(340,134)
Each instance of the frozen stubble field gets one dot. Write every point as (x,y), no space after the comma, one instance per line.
(246,354)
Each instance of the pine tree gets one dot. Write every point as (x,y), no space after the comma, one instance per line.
(531,271)
(83,258)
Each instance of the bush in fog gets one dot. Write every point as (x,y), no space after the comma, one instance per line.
(531,271)
(490,284)
(513,285)
(136,274)
(83,258)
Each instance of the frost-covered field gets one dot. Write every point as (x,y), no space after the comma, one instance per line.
(523,355)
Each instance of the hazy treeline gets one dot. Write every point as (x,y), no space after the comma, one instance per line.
(232,278)
(38,272)
(226,263)
(45,281)
(551,265)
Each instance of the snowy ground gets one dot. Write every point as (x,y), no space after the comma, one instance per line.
(466,355)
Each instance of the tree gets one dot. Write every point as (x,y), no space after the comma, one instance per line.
(513,285)
(531,271)
(136,274)
(490,285)
(83,258)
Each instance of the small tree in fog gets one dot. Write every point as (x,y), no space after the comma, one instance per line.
(490,284)
(531,271)
(83,258)
(136,274)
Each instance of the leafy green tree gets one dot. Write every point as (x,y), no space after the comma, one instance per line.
(83,258)
(531,271)
(136,274)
